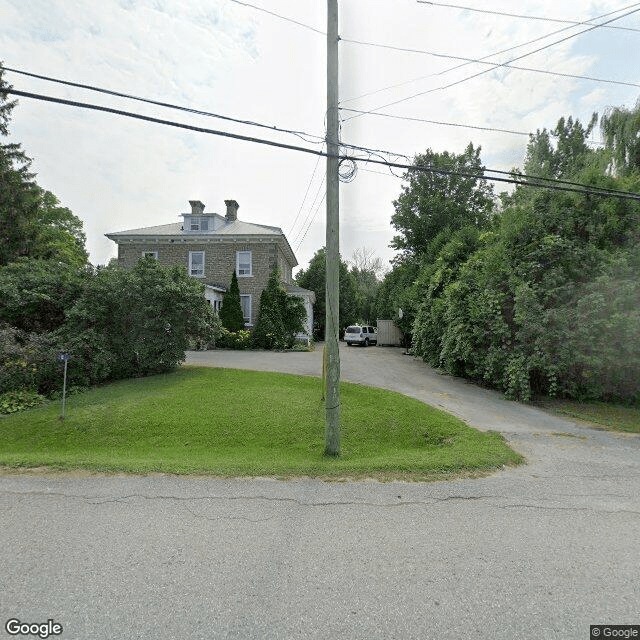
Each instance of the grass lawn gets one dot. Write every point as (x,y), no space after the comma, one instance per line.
(227,422)
(613,417)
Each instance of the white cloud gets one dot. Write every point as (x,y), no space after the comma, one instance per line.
(222,57)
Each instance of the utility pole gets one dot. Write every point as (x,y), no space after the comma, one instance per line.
(332,402)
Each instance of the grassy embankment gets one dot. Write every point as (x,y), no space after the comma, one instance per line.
(237,423)
(601,415)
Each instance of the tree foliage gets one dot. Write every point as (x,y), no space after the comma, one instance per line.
(314,278)
(280,318)
(231,314)
(433,204)
(36,295)
(541,302)
(621,131)
(366,269)
(32,222)
(134,322)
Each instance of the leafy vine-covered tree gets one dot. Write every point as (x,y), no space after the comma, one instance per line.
(541,302)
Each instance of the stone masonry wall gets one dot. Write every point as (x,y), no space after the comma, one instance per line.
(219,262)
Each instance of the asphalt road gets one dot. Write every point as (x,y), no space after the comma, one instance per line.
(537,552)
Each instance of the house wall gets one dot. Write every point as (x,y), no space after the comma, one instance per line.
(219,262)
(284,267)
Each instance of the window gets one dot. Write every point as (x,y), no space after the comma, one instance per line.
(245,301)
(196,264)
(150,254)
(199,224)
(243,263)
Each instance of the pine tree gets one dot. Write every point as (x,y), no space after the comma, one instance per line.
(231,314)
(17,189)
(32,222)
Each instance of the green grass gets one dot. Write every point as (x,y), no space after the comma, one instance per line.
(234,423)
(613,417)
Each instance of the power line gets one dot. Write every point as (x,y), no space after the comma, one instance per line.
(306,193)
(301,134)
(518,15)
(170,123)
(520,180)
(446,124)
(486,57)
(438,122)
(493,65)
(504,64)
(277,15)
(315,215)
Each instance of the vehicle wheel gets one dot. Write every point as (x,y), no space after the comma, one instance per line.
(366,342)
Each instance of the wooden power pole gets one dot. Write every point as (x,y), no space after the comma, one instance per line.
(332,405)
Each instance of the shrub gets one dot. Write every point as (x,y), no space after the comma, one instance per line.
(28,361)
(18,400)
(280,318)
(234,339)
(135,322)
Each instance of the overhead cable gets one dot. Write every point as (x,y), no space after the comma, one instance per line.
(277,15)
(521,179)
(438,122)
(486,57)
(519,15)
(301,134)
(306,193)
(495,66)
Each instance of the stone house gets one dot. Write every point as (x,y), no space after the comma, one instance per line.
(210,246)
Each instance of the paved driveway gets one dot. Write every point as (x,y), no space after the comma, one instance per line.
(541,551)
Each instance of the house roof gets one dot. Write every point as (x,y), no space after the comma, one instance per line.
(294,289)
(235,228)
(223,229)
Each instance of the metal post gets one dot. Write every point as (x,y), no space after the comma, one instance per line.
(332,403)
(64,388)
(64,357)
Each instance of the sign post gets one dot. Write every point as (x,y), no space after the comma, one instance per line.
(64,357)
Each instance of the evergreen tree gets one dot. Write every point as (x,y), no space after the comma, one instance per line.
(280,318)
(32,224)
(231,314)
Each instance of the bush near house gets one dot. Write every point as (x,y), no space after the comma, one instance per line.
(280,318)
(134,322)
(231,314)
(124,323)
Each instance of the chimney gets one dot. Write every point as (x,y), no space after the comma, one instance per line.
(232,210)
(197,208)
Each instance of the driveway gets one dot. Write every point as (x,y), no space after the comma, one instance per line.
(540,551)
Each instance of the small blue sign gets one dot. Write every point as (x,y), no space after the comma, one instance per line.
(64,357)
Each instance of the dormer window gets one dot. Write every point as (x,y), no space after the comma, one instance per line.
(199,224)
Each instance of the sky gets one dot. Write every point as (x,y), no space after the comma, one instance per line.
(233,59)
